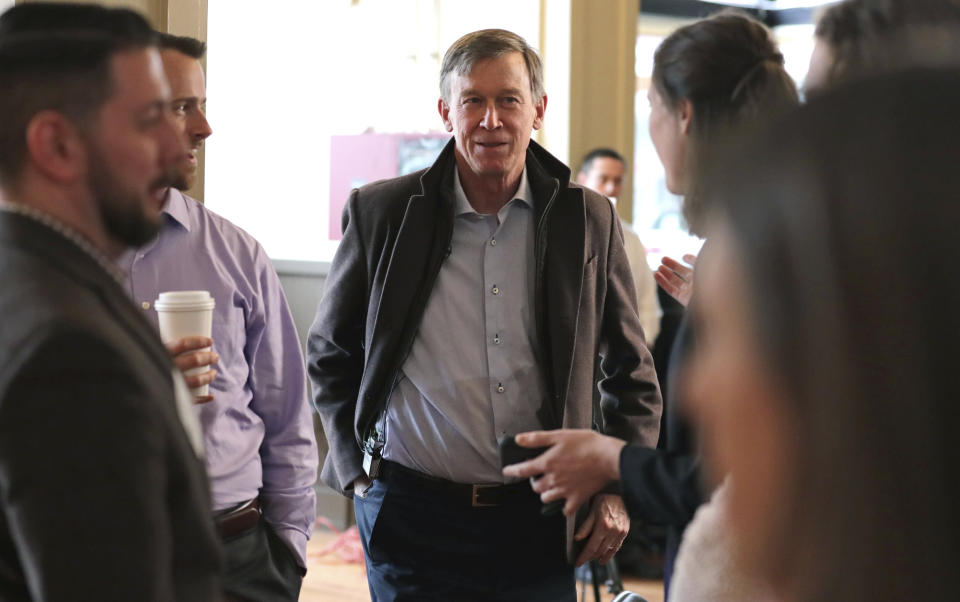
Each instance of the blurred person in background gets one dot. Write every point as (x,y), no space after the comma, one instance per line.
(603,169)
(823,379)
(854,39)
(713,76)
(858,38)
(103,495)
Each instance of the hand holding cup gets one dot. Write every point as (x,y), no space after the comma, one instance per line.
(191,354)
(186,323)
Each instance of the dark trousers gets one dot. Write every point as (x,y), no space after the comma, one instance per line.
(260,567)
(422,546)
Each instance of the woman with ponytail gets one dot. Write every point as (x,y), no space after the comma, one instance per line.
(712,77)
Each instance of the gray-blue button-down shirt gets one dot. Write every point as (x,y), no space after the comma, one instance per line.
(473,372)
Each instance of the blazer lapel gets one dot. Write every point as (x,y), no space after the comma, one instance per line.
(563,281)
(560,230)
(421,243)
(409,263)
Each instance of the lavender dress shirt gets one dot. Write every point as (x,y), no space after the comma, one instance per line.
(258,430)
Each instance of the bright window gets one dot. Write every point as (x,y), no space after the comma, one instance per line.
(796,43)
(289,80)
(657,215)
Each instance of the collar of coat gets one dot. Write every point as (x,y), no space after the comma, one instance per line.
(543,171)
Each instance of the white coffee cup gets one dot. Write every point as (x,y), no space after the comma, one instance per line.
(184,314)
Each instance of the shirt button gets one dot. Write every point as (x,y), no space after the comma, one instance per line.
(493,242)
(145,305)
(495,290)
(500,388)
(496,339)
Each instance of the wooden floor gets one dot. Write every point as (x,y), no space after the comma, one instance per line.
(332,579)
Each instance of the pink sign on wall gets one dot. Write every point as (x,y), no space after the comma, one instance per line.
(364,158)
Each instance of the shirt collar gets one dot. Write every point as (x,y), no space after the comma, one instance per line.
(176,207)
(524,193)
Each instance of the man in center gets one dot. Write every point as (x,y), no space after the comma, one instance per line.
(468,302)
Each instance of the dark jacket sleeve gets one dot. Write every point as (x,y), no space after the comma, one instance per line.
(659,486)
(84,475)
(663,486)
(335,353)
(629,393)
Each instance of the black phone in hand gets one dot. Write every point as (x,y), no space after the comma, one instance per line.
(513,453)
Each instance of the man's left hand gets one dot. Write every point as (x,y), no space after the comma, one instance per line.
(191,353)
(606,526)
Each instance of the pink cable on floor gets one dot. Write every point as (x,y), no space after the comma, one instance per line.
(346,544)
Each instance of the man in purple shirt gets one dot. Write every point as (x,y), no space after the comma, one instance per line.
(261,452)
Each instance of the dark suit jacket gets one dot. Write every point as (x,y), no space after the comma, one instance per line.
(102,495)
(663,486)
(395,236)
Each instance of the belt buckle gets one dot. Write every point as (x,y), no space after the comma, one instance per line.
(476,503)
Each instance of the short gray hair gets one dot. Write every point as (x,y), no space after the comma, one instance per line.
(487,44)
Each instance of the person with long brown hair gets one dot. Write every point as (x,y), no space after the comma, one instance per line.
(829,291)
(715,75)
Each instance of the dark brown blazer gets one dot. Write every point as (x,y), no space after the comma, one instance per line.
(102,496)
(396,234)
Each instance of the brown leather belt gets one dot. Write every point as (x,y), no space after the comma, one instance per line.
(478,496)
(239,519)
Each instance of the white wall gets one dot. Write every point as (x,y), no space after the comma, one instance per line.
(303,285)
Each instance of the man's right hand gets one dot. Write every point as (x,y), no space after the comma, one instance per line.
(579,463)
(193,352)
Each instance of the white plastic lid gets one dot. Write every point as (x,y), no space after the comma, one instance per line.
(184,301)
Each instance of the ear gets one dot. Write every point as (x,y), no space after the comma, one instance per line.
(685,116)
(541,110)
(55,146)
(582,178)
(444,110)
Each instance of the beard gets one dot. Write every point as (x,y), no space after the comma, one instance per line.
(181,177)
(123,212)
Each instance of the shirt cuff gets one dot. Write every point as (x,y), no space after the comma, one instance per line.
(297,542)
